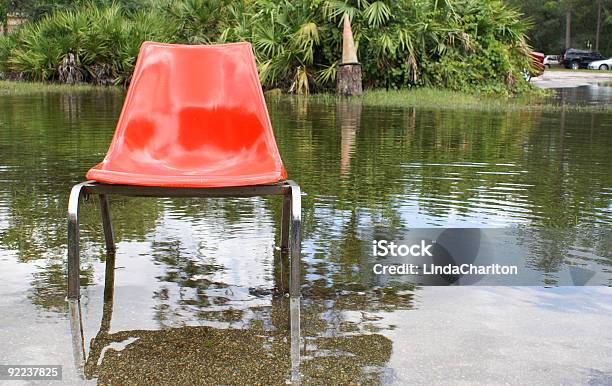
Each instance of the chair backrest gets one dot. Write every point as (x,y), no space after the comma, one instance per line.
(194,107)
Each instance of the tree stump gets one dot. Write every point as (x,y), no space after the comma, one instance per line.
(348,79)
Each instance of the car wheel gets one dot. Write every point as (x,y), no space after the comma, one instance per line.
(575,65)
(547,65)
(604,67)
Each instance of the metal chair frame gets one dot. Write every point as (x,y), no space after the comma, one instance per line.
(290,228)
(290,224)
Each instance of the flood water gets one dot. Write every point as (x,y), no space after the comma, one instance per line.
(197,290)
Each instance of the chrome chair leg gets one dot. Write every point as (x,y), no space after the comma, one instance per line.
(296,241)
(76,331)
(295,338)
(285,223)
(294,283)
(73,240)
(109,236)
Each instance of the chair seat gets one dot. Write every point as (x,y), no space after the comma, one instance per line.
(219,176)
(194,116)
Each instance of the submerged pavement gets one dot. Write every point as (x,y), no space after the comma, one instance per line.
(569,78)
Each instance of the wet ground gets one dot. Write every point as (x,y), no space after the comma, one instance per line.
(195,293)
(568,78)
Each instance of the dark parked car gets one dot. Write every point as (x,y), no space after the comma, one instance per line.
(575,59)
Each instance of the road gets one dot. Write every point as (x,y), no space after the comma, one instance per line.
(565,79)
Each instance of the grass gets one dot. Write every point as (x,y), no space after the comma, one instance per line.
(16,88)
(435,98)
(431,98)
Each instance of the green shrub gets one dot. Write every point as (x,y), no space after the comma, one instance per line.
(468,45)
(104,40)
(471,45)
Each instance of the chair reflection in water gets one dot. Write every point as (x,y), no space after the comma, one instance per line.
(194,124)
(190,354)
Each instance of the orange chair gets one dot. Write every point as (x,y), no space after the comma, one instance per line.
(194,124)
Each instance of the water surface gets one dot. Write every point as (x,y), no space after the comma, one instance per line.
(198,289)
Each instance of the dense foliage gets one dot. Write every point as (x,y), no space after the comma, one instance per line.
(473,45)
